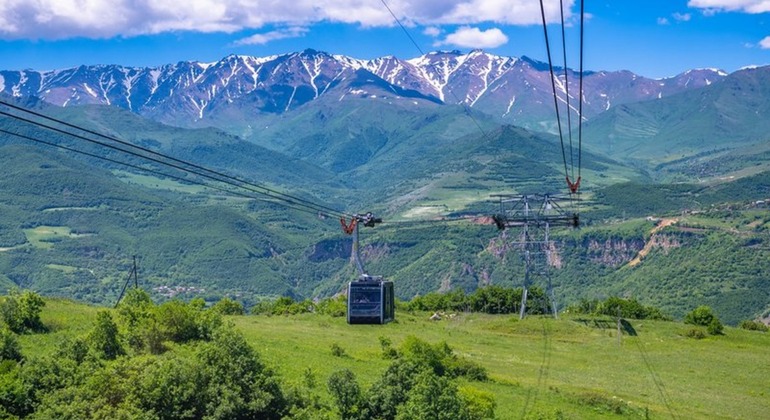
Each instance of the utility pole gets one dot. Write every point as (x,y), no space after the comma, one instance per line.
(132,274)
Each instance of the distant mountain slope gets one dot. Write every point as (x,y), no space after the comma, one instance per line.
(236,92)
(208,147)
(690,127)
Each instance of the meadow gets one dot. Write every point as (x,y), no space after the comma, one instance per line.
(574,367)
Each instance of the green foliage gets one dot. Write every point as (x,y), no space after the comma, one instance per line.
(346,393)
(753,325)
(284,305)
(103,338)
(418,384)
(604,404)
(715,327)
(180,321)
(704,316)
(433,397)
(696,333)
(334,307)
(238,385)
(480,404)
(146,326)
(227,306)
(10,349)
(20,311)
(615,306)
(388,352)
(489,299)
(337,350)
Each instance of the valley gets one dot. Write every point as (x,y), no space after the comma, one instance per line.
(71,224)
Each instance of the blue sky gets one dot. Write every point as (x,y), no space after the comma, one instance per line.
(653,38)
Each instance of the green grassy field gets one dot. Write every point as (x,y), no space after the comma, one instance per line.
(574,368)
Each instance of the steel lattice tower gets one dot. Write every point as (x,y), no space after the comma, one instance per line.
(534,215)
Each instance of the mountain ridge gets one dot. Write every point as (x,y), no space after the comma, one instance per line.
(514,90)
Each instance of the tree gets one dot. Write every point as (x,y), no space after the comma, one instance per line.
(433,398)
(9,346)
(21,311)
(103,338)
(346,393)
(237,384)
(227,306)
(704,316)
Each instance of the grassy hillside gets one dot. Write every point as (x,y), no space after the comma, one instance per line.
(573,367)
(701,132)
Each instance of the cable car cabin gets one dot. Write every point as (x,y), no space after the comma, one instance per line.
(370,301)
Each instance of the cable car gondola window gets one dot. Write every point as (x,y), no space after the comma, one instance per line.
(370,302)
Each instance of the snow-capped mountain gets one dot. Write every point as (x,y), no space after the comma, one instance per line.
(512,90)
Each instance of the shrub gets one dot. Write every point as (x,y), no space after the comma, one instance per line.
(9,346)
(338,351)
(103,338)
(704,316)
(335,307)
(753,326)
(715,327)
(481,404)
(21,311)
(627,308)
(388,352)
(695,333)
(226,306)
(346,393)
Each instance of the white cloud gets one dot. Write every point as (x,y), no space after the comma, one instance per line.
(765,43)
(682,17)
(432,31)
(58,19)
(469,37)
(261,39)
(663,21)
(747,6)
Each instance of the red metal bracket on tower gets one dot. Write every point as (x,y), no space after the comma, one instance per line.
(348,228)
(573,188)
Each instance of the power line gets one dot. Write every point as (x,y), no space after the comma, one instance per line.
(572,182)
(208,173)
(153,171)
(553,87)
(465,106)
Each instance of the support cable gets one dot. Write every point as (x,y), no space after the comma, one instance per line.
(465,106)
(208,173)
(566,87)
(553,87)
(153,171)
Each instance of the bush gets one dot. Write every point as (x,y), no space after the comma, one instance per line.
(704,316)
(103,338)
(335,307)
(9,346)
(481,404)
(226,306)
(284,305)
(337,351)
(715,327)
(695,333)
(346,393)
(388,352)
(628,308)
(21,311)
(753,326)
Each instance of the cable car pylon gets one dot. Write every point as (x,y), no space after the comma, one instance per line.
(371,299)
(534,215)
